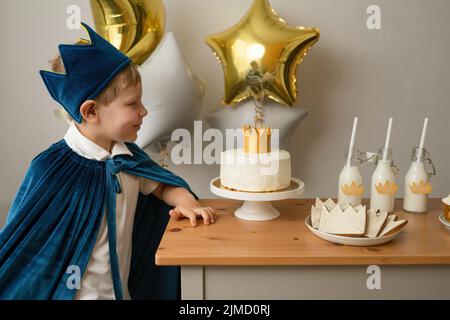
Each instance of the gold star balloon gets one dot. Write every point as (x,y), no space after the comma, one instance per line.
(135,27)
(260,54)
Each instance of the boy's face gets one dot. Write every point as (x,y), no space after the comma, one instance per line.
(122,118)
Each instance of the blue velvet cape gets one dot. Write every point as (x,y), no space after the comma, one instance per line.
(55,217)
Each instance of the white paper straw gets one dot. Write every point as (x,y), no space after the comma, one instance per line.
(352,142)
(388,139)
(422,139)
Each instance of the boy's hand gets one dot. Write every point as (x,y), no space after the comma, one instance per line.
(192,210)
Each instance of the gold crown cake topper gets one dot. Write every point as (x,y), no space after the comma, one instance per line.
(256,140)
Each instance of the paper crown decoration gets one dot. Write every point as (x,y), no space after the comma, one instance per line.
(353,189)
(387,187)
(256,140)
(421,187)
(330,217)
(89,69)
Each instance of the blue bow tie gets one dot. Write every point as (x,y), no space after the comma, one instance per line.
(113,168)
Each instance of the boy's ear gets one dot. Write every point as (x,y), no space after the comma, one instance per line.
(89,111)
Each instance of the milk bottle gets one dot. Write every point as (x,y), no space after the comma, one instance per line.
(350,183)
(417,182)
(383,187)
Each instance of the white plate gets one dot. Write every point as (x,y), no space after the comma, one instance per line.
(350,241)
(443,221)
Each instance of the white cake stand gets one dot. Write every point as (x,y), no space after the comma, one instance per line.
(257,206)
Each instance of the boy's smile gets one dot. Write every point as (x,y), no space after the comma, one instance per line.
(119,120)
(122,118)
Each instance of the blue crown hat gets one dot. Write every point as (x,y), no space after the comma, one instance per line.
(89,69)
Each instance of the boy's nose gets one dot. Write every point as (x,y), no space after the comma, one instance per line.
(144,111)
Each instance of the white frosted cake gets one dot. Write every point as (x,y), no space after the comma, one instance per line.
(255,168)
(257,172)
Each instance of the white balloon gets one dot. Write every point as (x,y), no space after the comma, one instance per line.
(171,93)
(286,119)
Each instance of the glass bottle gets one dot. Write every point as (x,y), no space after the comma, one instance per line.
(383,187)
(350,182)
(417,182)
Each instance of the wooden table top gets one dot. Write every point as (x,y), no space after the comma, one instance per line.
(287,241)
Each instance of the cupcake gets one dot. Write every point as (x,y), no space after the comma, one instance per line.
(446,202)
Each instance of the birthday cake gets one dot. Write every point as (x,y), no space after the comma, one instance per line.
(255,167)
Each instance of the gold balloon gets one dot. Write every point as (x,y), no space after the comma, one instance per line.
(261,52)
(135,27)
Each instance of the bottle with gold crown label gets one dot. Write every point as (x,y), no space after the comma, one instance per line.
(383,187)
(417,182)
(351,186)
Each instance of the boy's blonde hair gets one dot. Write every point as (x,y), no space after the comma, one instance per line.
(128,76)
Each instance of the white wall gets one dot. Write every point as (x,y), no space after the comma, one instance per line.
(401,71)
